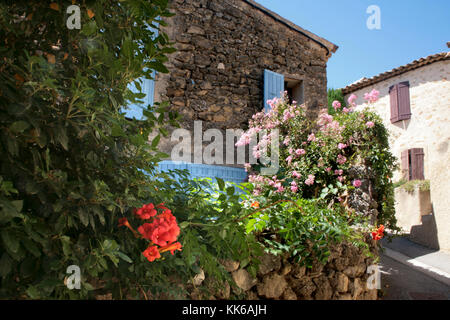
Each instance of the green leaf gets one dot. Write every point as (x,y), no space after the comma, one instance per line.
(230,190)
(18,204)
(220,183)
(5,265)
(184,224)
(10,241)
(88,286)
(84,217)
(33,292)
(116,131)
(124,257)
(155,141)
(61,137)
(65,240)
(19,126)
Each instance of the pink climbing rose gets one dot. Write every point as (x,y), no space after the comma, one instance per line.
(336,104)
(312,137)
(370,124)
(357,183)
(310,180)
(294,187)
(372,96)
(295,174)
(351,100)
(341,159)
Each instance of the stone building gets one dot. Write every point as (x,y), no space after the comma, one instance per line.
(415,106)
(233,55)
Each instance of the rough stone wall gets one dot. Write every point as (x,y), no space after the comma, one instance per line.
(364,199)
(427,129)
(343,277)
(223,48)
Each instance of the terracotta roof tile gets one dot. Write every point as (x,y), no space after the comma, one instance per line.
(365,82)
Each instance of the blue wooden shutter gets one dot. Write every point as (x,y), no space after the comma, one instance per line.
(148,87)
(273,86)
(237,175)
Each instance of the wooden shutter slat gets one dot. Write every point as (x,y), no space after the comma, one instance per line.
(404,105)
(417,163)
(405,165)
(393,93)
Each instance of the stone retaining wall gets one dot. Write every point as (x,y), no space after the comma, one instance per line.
(343,277)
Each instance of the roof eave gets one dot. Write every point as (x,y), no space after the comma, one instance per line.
(329,46)
(396,71)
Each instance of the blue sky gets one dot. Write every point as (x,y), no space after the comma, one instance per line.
(410,29)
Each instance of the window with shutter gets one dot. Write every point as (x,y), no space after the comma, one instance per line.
(417,164)
(143,85)
(413,164)
(147,86)
(273,86)
(394,103)
(404,107)
(405,165)
(400,102)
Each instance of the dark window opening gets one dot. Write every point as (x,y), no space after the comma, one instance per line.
(295,91)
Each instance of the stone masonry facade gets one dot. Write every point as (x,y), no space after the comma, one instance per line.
(223,49)
(349,274)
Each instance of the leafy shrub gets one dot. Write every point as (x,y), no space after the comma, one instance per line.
(316,158)
(410,186)
(304,229)
(72,165)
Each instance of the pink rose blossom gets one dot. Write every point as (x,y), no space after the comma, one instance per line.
(370,124)
(372,96)
(310,180)
(328,169)
(256,192)
(295,174)
(312,137)
(341,159)
(336,104)
(287,115)
(357,183)
(351,100)
(341,178)
(342,146)
(289,160)
(294,187)
(300,152)
(279,187)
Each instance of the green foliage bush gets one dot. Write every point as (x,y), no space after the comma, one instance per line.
(306,202)
(410,186)
(72,164)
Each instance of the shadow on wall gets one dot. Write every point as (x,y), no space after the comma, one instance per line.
(426,233)
(404,124)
